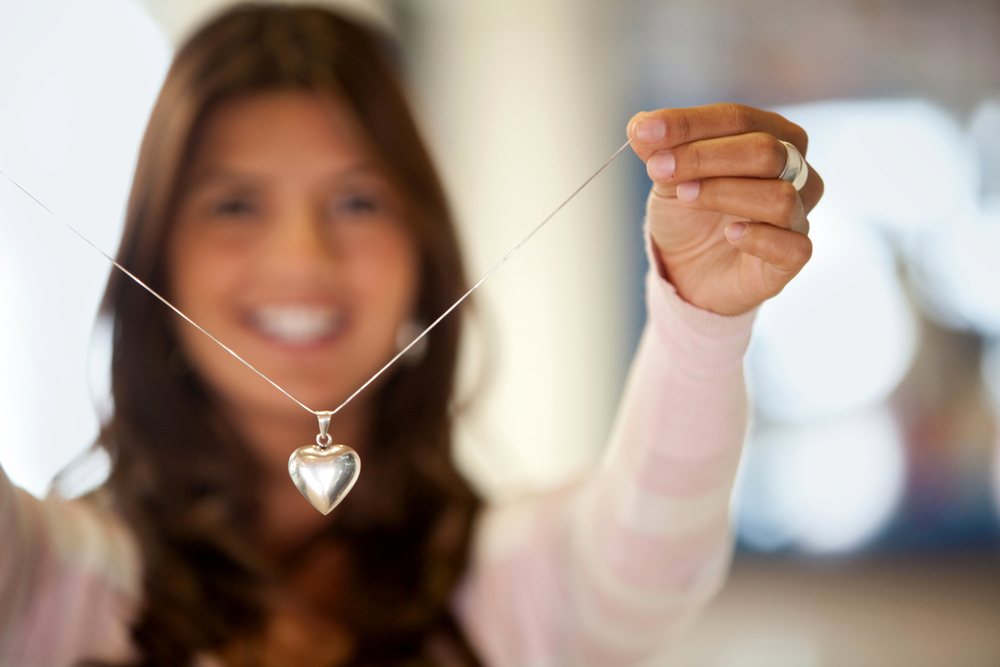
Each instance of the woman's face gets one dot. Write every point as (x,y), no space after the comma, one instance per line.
(291,248)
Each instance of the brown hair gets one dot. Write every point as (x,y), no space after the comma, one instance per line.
(182,479)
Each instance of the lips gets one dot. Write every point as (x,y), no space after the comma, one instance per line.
(297,324)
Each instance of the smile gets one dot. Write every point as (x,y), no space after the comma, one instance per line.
(298,324)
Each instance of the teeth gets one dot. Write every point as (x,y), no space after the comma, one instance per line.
(297,324)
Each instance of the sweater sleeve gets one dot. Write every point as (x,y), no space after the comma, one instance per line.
(606,571)
(69,581)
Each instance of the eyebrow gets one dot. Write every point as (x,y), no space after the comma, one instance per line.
(225,174)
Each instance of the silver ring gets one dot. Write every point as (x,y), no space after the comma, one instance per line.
(796,171)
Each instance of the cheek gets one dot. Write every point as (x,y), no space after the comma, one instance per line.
(201,282)
(388,274)
(199,275)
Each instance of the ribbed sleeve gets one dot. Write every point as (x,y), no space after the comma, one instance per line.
(70,581)
(605,572)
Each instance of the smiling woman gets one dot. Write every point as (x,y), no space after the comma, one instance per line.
(284,199)
(295,246)
(260,228)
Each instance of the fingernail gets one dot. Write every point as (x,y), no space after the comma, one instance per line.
(650,130)
(735,231)
(688,191)
(661,166)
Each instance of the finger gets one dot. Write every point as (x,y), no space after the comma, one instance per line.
(668,128)
(785,252)
(772,200)
(751,155)
(696,162)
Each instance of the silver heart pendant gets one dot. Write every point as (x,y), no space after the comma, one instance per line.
(324,475)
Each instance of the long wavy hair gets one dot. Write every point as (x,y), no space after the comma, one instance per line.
(181,477)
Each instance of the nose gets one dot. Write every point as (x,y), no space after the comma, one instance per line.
(297,244)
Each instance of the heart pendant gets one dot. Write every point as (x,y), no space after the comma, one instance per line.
(324,475)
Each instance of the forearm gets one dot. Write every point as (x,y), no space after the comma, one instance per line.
(603,572)
(70,581)
(650,531)
(19,558)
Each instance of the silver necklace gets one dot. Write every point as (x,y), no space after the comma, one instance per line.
(325,472)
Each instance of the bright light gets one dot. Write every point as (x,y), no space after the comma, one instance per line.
(842,334)
(990,370)
(15,399)
(991,382)
(958,270)
(78,81)
(827,471)
(984,131)
(996,477)
(900,165)
(826,487)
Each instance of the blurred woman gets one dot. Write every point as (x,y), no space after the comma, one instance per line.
(284,200)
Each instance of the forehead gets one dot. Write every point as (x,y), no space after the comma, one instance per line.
(281,130)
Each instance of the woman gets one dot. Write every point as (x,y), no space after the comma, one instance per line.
(284,201)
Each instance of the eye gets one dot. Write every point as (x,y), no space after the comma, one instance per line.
(357,204)
(234,207)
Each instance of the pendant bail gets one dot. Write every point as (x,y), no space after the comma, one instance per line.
(323,440)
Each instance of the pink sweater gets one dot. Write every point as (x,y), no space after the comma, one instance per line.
(601,573)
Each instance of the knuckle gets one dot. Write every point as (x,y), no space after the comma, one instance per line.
(681,128)
(772,153)
(801,250)
(786,200)
(740,117)
(690,159)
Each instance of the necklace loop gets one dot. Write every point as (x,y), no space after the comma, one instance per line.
(324,439)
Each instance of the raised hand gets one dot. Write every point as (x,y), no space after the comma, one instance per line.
(729,232)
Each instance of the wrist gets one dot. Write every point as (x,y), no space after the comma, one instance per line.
(696,292)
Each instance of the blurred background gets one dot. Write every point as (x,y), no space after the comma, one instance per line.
(868,501)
